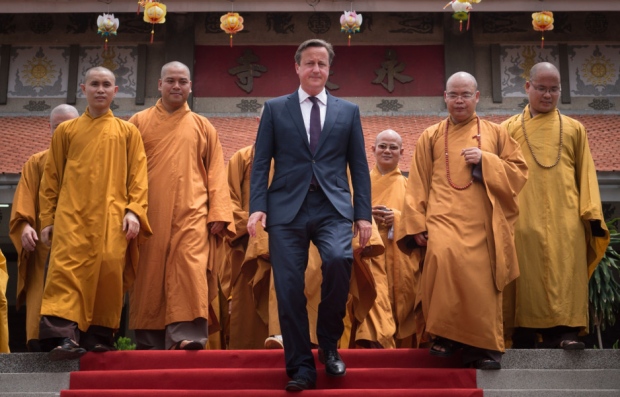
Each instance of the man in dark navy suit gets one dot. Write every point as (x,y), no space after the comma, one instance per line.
(313,138)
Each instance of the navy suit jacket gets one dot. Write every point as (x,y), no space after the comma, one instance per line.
(283,137)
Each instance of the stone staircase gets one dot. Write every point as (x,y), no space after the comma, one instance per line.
(33,375)
(548,373)
(554,373)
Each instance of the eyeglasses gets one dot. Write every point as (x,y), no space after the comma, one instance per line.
(543,90)
(452,96)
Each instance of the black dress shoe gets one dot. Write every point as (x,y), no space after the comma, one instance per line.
(334,366)
(68,350)
(299,384)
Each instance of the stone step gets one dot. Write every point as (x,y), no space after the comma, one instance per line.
(34,383)
(34,362)
(549,379)
(561,359)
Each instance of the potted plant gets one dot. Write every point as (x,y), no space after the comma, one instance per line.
(604,287)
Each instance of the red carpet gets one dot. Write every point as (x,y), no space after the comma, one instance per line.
(385,373)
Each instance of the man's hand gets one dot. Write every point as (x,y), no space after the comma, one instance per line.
(421,239)
(29,238)
(131,225)
(46,235)
(364,229)
(472,155)
(216,227)
(383,215)
(253,219)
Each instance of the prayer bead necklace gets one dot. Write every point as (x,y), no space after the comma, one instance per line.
(530,146)
(448,158)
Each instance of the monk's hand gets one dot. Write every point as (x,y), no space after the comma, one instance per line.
(216,227)
(378,213)
(46,235)
(421,239)
(131,225)
(29,238)
(258,216)
(364,229)
(388,217)
(472,155)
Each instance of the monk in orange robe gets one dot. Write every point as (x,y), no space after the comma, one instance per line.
(24,230)
(461,203)
(93,200)
(247,328)
(189,204)
(561,234)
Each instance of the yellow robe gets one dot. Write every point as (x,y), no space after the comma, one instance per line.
(247,328)
(402,269)
(555,246)
(187,190)
(470,255)
(4,316)
(30,265)
(369,305)
(95,172)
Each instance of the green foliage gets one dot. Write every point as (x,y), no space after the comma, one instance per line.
(604,286)
(123,343)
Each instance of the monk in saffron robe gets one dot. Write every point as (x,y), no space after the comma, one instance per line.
(4,316)
(388,186)
(24,230)
(461,203)
(561,234)
(93,200)
(189,204)
(247,329)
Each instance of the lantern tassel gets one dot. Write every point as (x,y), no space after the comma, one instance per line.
(105,45)
(460,26)
(231,37)
(468,19)
(152,34)
(542,41)
(349,40)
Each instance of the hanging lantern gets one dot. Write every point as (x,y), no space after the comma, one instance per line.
(231,23)
(106,26)
(542,21)
(461,11)
(154,12)
(350,23)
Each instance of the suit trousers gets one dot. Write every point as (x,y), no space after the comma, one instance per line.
(317,221)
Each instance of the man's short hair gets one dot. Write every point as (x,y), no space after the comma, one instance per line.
(314,43)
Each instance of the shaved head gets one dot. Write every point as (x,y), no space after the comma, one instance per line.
(99,69)
(174,65)
(64,109)
(60,114)
(389,134)
(462,77)
(387,149)
(543,67)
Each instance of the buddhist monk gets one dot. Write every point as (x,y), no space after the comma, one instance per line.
(93,200)
(561,234)
(189,204)
(461,203)
(247,328)
(24,230)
